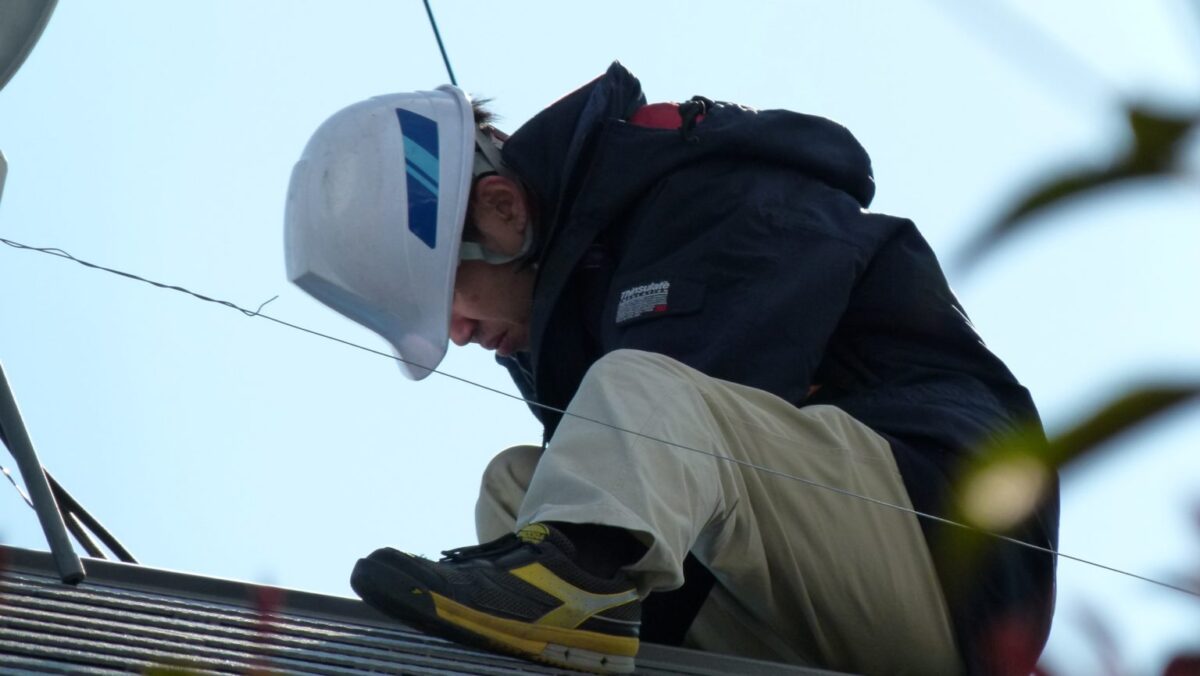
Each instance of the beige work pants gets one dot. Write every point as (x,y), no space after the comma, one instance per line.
(804,574)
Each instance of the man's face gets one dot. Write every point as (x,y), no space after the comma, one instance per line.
(493,303)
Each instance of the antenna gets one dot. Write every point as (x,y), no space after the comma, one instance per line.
(12,430)
(56,508)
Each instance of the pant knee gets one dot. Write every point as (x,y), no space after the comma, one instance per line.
(627,370)
(509,472)
(502,490)
(631,359)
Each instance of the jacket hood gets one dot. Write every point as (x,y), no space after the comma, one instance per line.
(549,152)
(586,137)
(586,166)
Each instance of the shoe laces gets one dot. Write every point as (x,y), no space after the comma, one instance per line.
(501,545)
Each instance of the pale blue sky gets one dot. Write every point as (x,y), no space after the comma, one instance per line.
(158,138)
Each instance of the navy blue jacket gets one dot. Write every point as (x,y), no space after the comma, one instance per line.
(780,279)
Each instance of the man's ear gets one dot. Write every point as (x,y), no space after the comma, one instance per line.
(500,213)
(500,195)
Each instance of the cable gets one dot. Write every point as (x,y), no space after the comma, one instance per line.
(758,468)
(437,34)
(24,496)
(63,254)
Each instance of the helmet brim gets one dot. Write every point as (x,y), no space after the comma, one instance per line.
(375,213)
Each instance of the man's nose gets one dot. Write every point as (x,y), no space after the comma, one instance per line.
(462,329)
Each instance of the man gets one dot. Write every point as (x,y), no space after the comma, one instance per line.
(715,333)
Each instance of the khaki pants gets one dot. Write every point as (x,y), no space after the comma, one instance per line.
(804,575)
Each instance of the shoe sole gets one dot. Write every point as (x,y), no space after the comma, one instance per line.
(395,593)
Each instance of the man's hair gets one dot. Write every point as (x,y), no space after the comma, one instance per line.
(484,117)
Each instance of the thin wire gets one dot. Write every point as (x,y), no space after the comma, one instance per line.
(438,34)
(745,463)
(4,470)
(63,254)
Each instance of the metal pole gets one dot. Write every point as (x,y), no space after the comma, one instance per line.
(81,536)
(70,568)
(76,513)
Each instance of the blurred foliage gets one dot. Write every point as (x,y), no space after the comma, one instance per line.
(1001,492)
(1104,639)
(1126,411)
(1156,144)
(1007,482)
(171,670)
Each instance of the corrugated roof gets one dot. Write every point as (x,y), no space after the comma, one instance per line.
(126,618)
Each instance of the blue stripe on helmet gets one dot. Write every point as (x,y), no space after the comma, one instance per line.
(421,172)
(419,159)
(415,174)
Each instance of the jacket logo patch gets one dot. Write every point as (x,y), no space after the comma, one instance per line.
(642,300)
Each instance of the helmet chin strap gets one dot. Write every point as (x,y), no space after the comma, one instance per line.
(474,251)
(487,154)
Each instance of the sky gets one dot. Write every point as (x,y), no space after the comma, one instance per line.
(158,138)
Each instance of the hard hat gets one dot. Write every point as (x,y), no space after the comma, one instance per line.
(375,214)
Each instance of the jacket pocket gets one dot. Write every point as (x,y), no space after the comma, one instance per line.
(638,300)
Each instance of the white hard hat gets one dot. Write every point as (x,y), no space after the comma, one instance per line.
(375,214)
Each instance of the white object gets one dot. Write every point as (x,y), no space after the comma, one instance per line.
(375,214)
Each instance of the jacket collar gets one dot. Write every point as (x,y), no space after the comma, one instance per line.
(551,153)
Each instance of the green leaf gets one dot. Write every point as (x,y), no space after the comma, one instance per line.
(1117,417)
(1004,486)
(1157,142)
(1008,481)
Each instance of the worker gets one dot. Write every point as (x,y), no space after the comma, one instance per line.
(750,385)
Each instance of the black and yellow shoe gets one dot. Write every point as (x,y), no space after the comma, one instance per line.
(521,594)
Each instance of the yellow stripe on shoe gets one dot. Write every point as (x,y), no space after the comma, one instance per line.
(578,605)
(530,639)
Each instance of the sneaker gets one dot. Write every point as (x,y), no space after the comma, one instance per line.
(521,594)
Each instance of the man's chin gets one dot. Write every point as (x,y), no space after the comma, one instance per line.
(509,345)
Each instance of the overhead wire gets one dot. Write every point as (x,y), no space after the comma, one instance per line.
(53,251)
(744,463)
(22,493)
(441,46)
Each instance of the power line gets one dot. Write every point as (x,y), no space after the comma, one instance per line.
(63,254)
(744,463)
(438,34)
(24,496)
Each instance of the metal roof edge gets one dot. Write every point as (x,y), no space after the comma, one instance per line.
(198,587)
(191,587)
